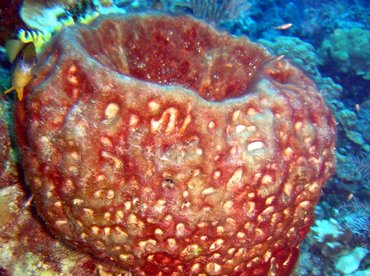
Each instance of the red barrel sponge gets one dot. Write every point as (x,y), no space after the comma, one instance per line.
(161,145)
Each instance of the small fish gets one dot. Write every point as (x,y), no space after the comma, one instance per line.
(350,196)
(280,57)
(23,57)
(284,26)
(28,202)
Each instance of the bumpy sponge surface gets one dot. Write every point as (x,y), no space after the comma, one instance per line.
(163,146)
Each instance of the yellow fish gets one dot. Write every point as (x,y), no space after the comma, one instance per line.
(24,57)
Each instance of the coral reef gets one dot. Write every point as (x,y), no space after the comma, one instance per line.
(161,145)
(329,240)
(303,54)
(214,11)
(8,171)
(353,124)
(349,50)
(350,262)
(26,246)
(356,217)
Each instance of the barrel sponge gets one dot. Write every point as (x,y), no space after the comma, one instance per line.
(164,146)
